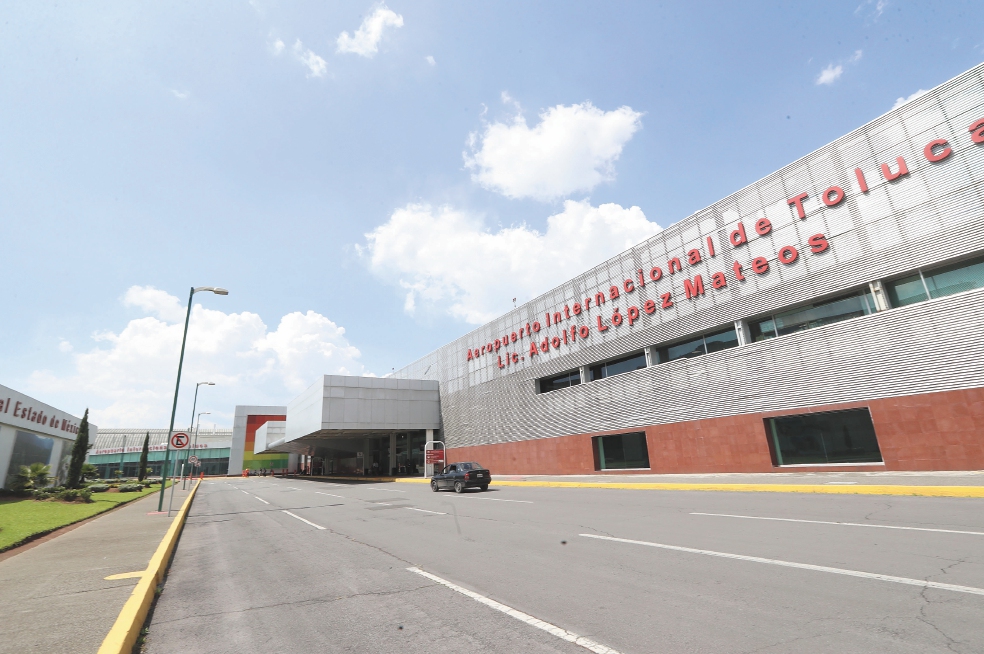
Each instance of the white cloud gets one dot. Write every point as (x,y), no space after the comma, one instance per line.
(155,302)
(830,74)
(902,101)
(430,59)
(180,95)
(127,377)
(856,56)
(872,8)
(443,256)
(64,346)
(365,41)
(317,67)
(573,148)
(277,47)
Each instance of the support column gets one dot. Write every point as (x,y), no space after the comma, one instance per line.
(744,334)
(392,456)
(878,293)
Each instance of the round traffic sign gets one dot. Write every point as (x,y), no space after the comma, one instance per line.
(193,460)
(180,440)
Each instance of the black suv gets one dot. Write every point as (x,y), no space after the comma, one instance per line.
(460,476)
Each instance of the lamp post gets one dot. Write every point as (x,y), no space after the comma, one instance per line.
(177,385)
(194,405)
(122,454)
(198,424)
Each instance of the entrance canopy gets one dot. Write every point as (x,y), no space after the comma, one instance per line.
(361,425)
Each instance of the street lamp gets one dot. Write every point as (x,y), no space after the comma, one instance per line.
(199,424)
(195,403)
(177,384)
(193,406)
(194,445)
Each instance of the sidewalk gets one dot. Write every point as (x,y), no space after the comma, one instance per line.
(894,478)
(55,597)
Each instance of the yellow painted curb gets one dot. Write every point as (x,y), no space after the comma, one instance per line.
(123,636)
(882,489)
(859,489)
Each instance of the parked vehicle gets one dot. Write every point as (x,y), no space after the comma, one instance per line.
(460,476)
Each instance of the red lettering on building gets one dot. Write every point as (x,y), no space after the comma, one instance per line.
(818,243)
(937,156)
(695,288)
(737,237)
(889,175)
(798,202)
(837,193)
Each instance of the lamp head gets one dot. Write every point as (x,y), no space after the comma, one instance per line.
(213,289)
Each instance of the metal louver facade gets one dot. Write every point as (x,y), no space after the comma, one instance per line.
(932,215)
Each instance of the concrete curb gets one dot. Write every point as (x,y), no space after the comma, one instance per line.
(859,489)
(125,631)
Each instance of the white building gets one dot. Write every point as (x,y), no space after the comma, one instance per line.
(34,432)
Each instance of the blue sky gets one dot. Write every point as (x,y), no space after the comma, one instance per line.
(371,181)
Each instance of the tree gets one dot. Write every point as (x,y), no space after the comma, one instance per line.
(40,474)
(79,451)
(34,476)
(142,466)
(89,471)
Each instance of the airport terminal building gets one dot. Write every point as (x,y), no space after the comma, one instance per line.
(831,315)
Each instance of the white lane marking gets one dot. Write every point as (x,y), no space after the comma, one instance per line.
(242,491)
(261,499)
(845,524)
(841,483)
(329,494)
(386,490)
(303,520)
(803,566)
(410,508)
(494,499)
(292,488)
(569,636)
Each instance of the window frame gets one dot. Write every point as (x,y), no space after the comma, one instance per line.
(860,293)
(965,262)
(662,351)
(540,381)
(604,365)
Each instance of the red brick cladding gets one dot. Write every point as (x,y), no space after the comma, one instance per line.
(932,431)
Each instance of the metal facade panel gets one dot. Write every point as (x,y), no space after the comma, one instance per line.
(933,214)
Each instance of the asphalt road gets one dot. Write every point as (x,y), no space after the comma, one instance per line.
(672,571)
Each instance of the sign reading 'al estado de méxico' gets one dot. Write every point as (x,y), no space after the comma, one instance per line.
(934,151)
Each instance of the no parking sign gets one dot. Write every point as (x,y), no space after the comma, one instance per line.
(180,440)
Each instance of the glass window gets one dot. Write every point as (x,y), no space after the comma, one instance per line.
(812,315)
(572,378)
(618,366)
(685,350)
(964,276)
(721,341)
(821,438)
(715,342)
(621,451)
(762,329)
(29,448)
(906,291)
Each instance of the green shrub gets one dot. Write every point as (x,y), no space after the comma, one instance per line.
(74,495)
(98,488)
(131,488)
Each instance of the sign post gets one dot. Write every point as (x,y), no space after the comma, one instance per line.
(433,457)
(178,440)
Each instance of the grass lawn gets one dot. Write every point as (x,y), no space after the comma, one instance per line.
(21,518)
